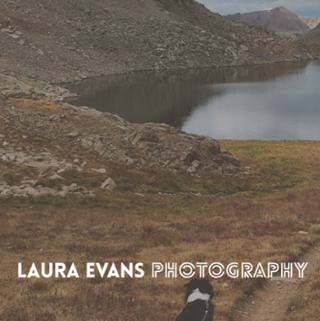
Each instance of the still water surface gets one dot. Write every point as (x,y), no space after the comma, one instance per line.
(278,101)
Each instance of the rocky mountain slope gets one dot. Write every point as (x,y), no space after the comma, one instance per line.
(43,143)
(70,40)
(312,40)
(278,19)
(311,22)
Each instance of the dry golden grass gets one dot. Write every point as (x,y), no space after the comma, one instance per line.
(35,105)
(253,219)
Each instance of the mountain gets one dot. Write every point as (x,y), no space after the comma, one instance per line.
(278,19)
(311,22)
(66,40)
(312,40)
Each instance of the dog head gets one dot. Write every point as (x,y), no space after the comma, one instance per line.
(203,285)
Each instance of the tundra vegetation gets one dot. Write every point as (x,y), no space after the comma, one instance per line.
(153,215)
(157,216)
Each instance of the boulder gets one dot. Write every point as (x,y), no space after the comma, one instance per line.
(109,184)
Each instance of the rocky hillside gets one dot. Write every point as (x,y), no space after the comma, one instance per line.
(312,37)
(278,19)
(311,22)
(312,40)
(65,40)
(43,141)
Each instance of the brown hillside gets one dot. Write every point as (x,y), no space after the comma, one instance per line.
(74,39)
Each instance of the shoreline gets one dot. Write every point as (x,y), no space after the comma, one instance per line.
(219,67)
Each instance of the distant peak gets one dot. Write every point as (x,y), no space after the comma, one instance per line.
(281,8)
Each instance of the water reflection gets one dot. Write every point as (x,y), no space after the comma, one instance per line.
(278,101)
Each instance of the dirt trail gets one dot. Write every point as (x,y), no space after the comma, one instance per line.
(272,302)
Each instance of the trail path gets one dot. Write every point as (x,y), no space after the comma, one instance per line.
(272,302)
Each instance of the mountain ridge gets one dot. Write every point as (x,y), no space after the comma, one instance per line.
(311,22)
(279,19)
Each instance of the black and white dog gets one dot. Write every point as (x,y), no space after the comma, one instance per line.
(198,302)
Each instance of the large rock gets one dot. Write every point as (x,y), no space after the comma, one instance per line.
(109,184)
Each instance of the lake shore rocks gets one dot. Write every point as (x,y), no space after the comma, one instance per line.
(157,146)
(15,88)
(150,144)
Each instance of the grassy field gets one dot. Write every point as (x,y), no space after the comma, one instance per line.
(176,218)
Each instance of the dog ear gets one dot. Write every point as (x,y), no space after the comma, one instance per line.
(187,284)
(206,287)
(191,283)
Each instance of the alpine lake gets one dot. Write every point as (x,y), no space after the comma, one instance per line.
(266,102)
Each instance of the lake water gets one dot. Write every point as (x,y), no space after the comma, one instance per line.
(275,101)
